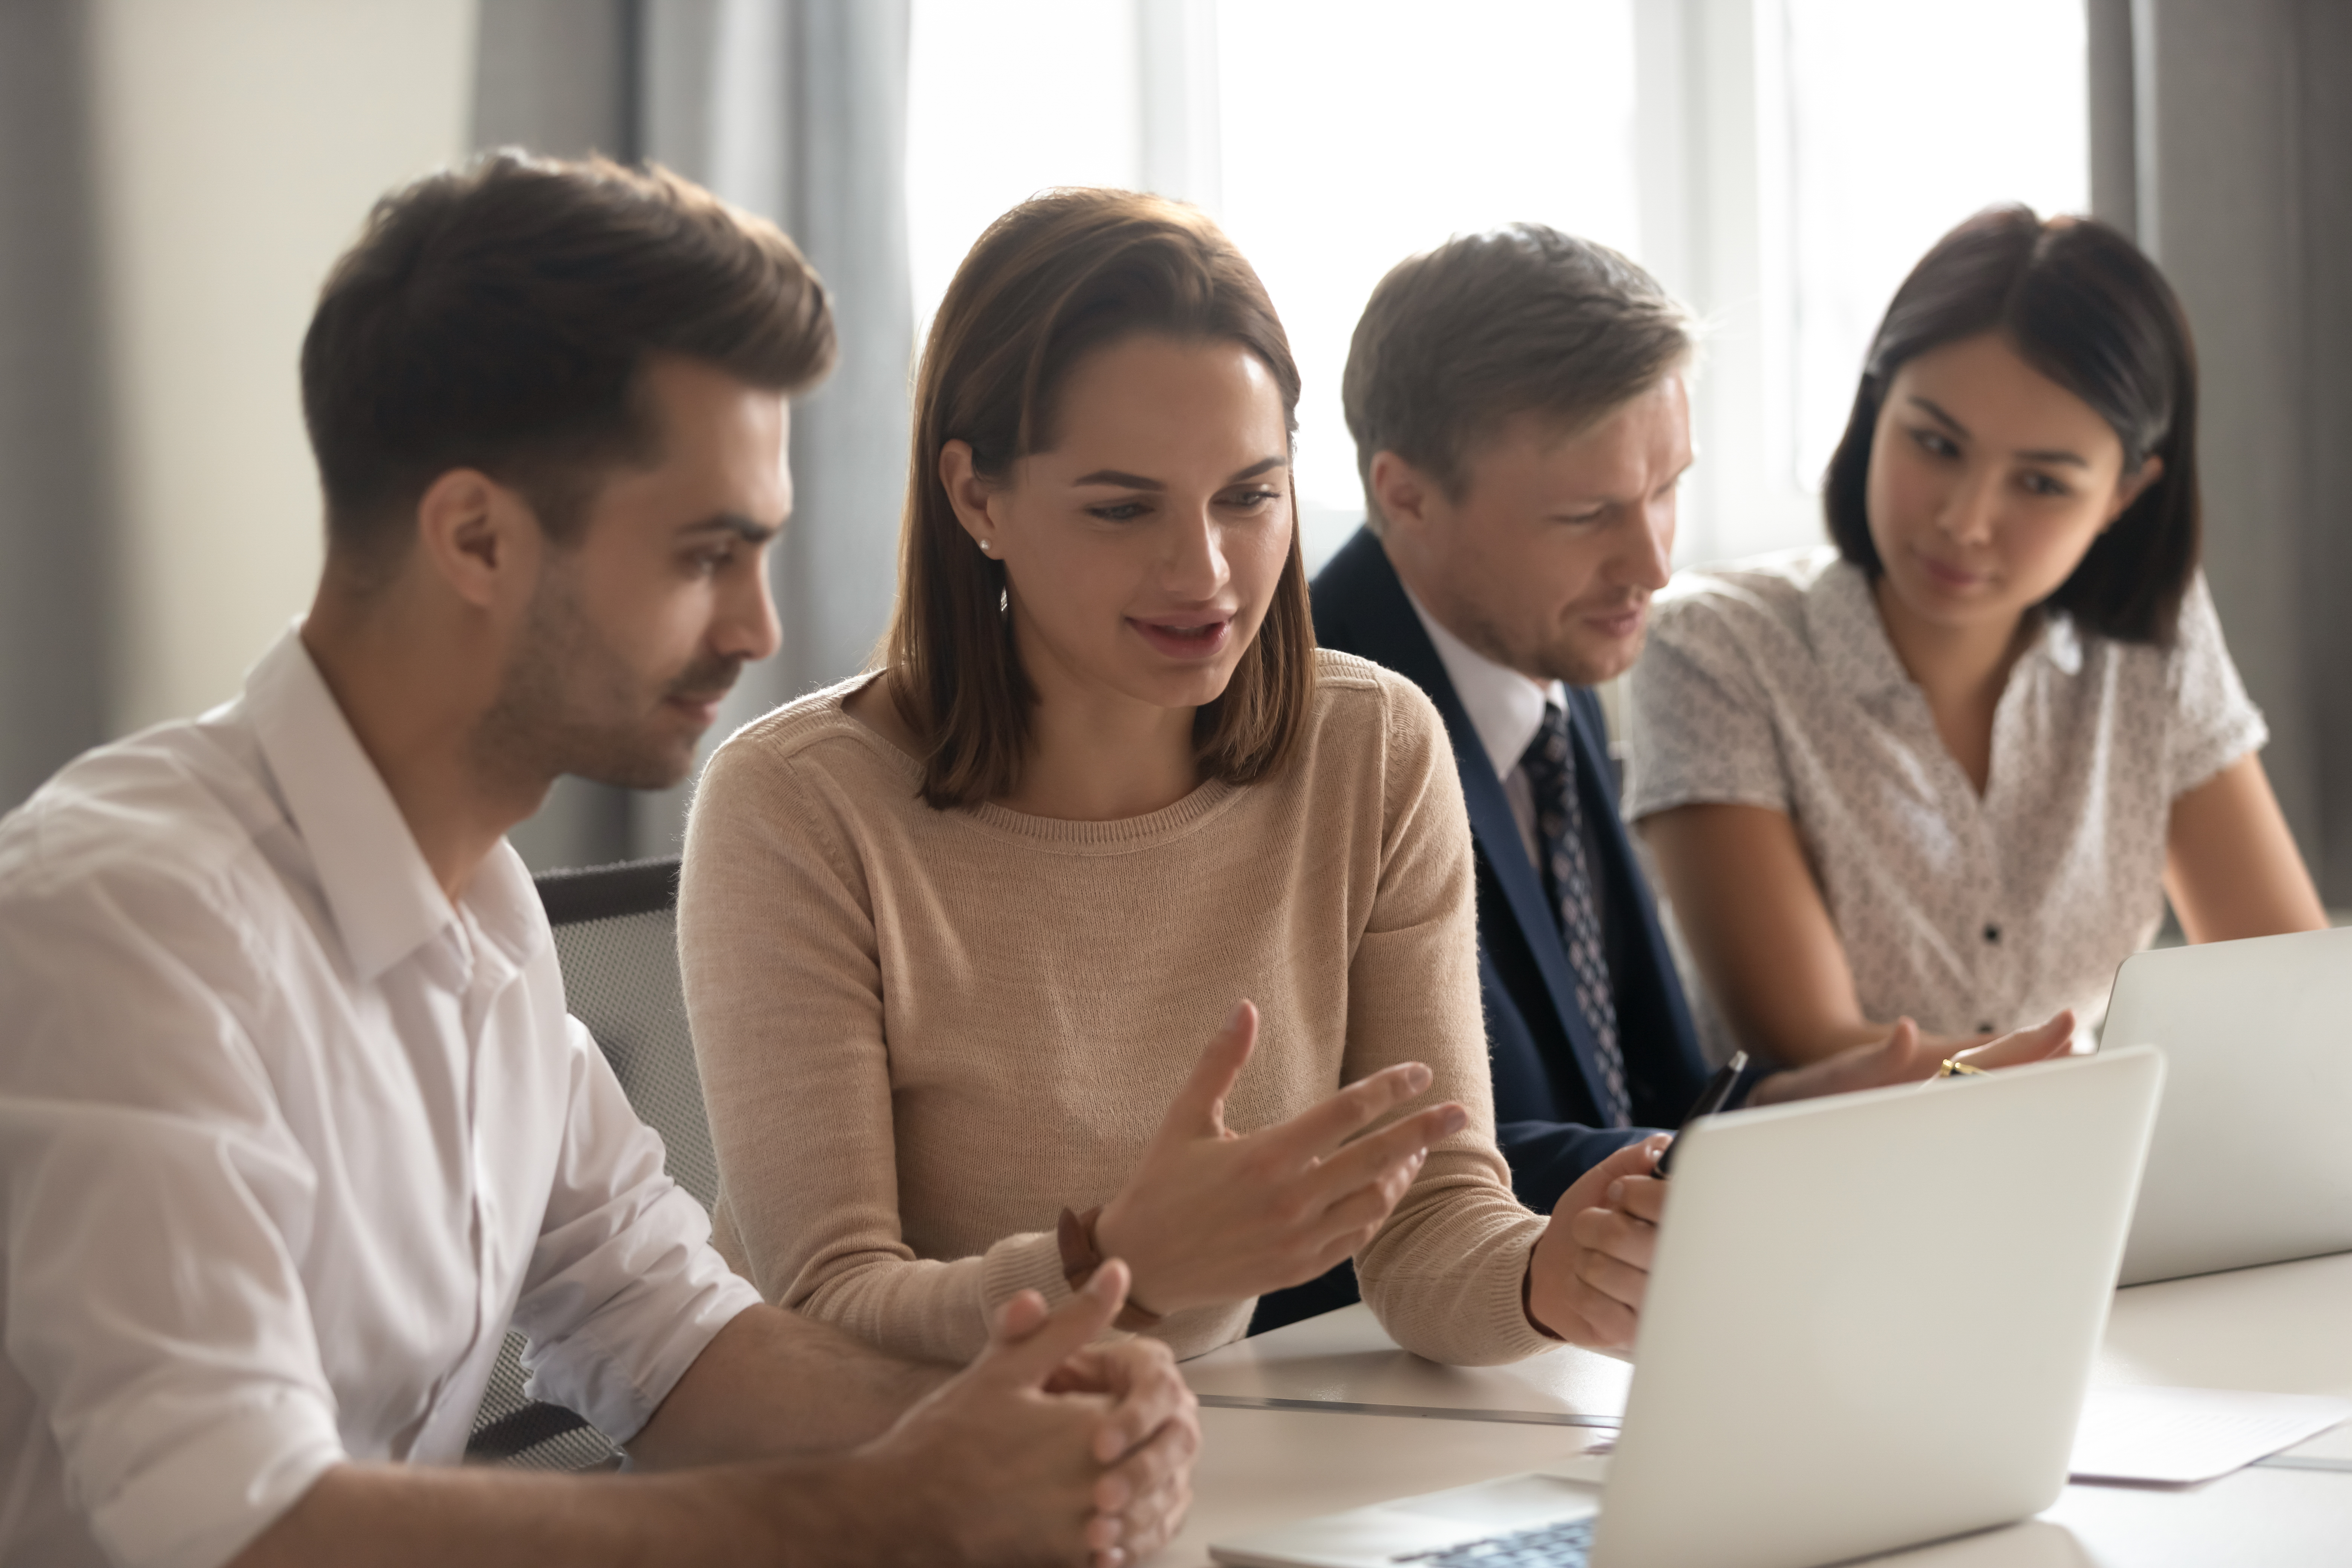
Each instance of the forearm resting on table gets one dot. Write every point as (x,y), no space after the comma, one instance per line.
(774,1384)
(769,1387)
(1745,897)
(355,1516)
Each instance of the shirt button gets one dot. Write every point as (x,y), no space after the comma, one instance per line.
(1985,1028)
(1992,933)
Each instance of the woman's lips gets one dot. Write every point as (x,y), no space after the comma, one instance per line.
(1187,638)
(1948,576)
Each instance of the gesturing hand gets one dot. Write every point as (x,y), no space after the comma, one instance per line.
(1211,1215)
(1592,1266)
(1905,1055)
(1042,1451)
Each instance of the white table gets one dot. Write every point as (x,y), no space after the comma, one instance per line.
(1328,1413)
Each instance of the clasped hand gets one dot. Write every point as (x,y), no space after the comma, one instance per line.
(1211,1215)
(1050,1448)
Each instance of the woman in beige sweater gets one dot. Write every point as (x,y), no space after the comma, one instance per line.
(952,935)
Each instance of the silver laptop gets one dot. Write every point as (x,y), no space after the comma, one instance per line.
(2251,1161)
(1871,1324)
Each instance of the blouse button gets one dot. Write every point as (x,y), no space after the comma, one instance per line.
(1992,933)
(1985,1028)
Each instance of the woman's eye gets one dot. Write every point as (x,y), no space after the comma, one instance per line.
(2047,485)
(1119,511)
(1254,500)
(708,563)
(1935,443)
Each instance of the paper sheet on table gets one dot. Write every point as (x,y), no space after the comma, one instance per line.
(2181,1436)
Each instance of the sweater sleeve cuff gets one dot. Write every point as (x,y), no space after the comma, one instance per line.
(1031,1261)
(1513,1335)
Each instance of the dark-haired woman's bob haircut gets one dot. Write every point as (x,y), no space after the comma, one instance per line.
(1058,277)
(2081,305)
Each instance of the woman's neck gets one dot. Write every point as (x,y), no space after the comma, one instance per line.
(1096,755)
(1962,670)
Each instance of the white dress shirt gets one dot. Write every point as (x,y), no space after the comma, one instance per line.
(1772,682)
(287,1139)
(1506,709)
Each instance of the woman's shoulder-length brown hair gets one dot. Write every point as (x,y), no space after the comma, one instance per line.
(2083,305)
(1057,276)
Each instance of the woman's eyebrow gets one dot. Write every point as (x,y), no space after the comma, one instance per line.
(1938,414)
(1125,480)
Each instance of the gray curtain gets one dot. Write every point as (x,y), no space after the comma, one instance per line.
(2222,137)
(795,110)
(56,516)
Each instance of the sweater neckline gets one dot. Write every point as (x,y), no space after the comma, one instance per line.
(1119,833)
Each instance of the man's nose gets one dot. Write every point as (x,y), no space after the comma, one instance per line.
(1649,555)
(747,627)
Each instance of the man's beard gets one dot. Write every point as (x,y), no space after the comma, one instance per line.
(1559,660)
(569,704)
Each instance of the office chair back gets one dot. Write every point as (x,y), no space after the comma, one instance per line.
(616,939)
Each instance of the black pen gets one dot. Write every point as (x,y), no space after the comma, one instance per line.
(1710,1100)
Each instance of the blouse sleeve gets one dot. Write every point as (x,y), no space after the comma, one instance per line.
(783,990)
(1444,1274)
(1699,722)
(2213,722)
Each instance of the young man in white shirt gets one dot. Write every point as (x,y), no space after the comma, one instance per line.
(292,1120)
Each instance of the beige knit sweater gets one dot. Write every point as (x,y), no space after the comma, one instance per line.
(923,1032)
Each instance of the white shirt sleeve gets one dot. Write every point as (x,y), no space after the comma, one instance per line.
(1699,722)
(153,1304)
(624,1289)
(2213,722)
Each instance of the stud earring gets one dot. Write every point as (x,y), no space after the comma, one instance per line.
(986,548)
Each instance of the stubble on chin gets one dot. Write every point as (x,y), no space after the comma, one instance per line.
(569,704)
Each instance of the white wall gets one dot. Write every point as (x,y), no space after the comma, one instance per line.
(239,143)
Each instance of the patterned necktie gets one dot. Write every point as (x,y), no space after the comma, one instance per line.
(1550,764)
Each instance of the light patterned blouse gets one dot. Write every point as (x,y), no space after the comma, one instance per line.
(1772,682)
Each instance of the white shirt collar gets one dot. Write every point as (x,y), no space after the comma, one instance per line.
(386,902)
(1505,708)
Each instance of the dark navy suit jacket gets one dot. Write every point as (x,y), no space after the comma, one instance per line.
(1541,1049)
(1546,1075)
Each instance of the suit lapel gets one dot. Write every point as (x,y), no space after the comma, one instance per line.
(1384,629)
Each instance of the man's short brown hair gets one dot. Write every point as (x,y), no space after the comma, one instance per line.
(499,317)
(1521,320)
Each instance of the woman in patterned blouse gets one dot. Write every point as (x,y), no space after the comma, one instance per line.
(1951,768)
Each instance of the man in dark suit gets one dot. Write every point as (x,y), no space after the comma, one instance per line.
(1520,404)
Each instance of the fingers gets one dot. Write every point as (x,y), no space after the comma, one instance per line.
(1147,1520)
(1322,1127)
(1641,1197)
(1152,1393)
(1034,1360)
(1199,1109)
(1630,1241)
(1591,1190)
(1154,1466)
(1019,1318)
(2021,1045)
(1369,1159)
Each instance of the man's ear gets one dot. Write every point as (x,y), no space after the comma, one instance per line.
(475,534)
(1405,494)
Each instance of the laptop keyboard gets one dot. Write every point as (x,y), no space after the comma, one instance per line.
(1546,1546)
